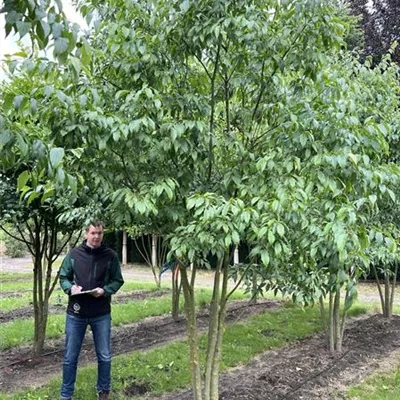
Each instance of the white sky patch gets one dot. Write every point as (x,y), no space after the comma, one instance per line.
(9,45)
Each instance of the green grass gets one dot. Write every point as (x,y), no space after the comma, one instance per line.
(11,303)
(381,386)
(8,276)
(166,368)
(24,299)
(129,286)
(18,332)
(10,286)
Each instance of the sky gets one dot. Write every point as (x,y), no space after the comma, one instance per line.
(9,45)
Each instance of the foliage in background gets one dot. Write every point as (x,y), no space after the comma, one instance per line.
(13,248)
(379,20)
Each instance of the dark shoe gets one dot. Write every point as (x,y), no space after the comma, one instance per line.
(103,395)
(65,398)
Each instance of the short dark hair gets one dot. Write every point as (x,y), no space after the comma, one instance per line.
(95,223)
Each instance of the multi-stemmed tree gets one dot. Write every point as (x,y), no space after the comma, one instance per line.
(41,188)
(206,116)
(236,121)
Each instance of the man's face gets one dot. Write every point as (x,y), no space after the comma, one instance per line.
(94,236)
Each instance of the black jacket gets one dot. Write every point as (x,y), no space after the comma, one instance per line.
(90,268)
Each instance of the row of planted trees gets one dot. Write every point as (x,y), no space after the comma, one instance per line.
(215,123)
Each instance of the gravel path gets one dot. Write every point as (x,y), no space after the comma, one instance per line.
(368,292)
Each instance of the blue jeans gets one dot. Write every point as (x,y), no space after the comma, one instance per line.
(75,328)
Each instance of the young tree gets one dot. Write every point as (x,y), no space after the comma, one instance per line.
(41,190)
(341,178)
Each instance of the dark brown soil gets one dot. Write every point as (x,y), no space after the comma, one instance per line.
(307,371)
(19,369)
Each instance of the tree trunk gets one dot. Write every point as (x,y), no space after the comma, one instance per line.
(124,249)
(331,323)
(396,266)
(154,261)
(387,294)
(337,328)
(212,331)
(236,256)
(190,311)
(154,250)
(176,291)
(214,394)
(45,254)
(39,305)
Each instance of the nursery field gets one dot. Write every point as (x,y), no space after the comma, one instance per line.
(272,349)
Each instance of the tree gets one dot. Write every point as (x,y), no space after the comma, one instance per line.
(341,178)
(39,196)
(190,96)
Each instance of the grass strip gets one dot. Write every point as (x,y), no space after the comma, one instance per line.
(9,286)
(166,368)
(8,304)
(8,276)
(58,297)
(380,386)
(19,332)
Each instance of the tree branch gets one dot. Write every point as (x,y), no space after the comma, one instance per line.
(216,66)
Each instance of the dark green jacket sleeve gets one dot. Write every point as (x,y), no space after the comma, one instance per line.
(115,279)
(66,274)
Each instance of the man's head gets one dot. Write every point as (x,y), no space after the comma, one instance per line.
(94,233)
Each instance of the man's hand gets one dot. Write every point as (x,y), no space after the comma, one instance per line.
(75,289)
(98,292)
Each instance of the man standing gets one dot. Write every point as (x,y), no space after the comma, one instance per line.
(89,274)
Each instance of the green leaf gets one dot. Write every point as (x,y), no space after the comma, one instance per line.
(60,175)
(383,129)
(281,230)
(342,276)
(76,64)
(392,195)
(46,29)
(265,257)
(169,192)
(140,207)
(23,147)
(5,137)
(33,106)
(72,183)
(60,46)
(341,240)
(17,102)
(271,237)
(278,249)
(22,180)
(33,196)
(49,192)
(23,28)
(59,5)
(56,155)
(379,237)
